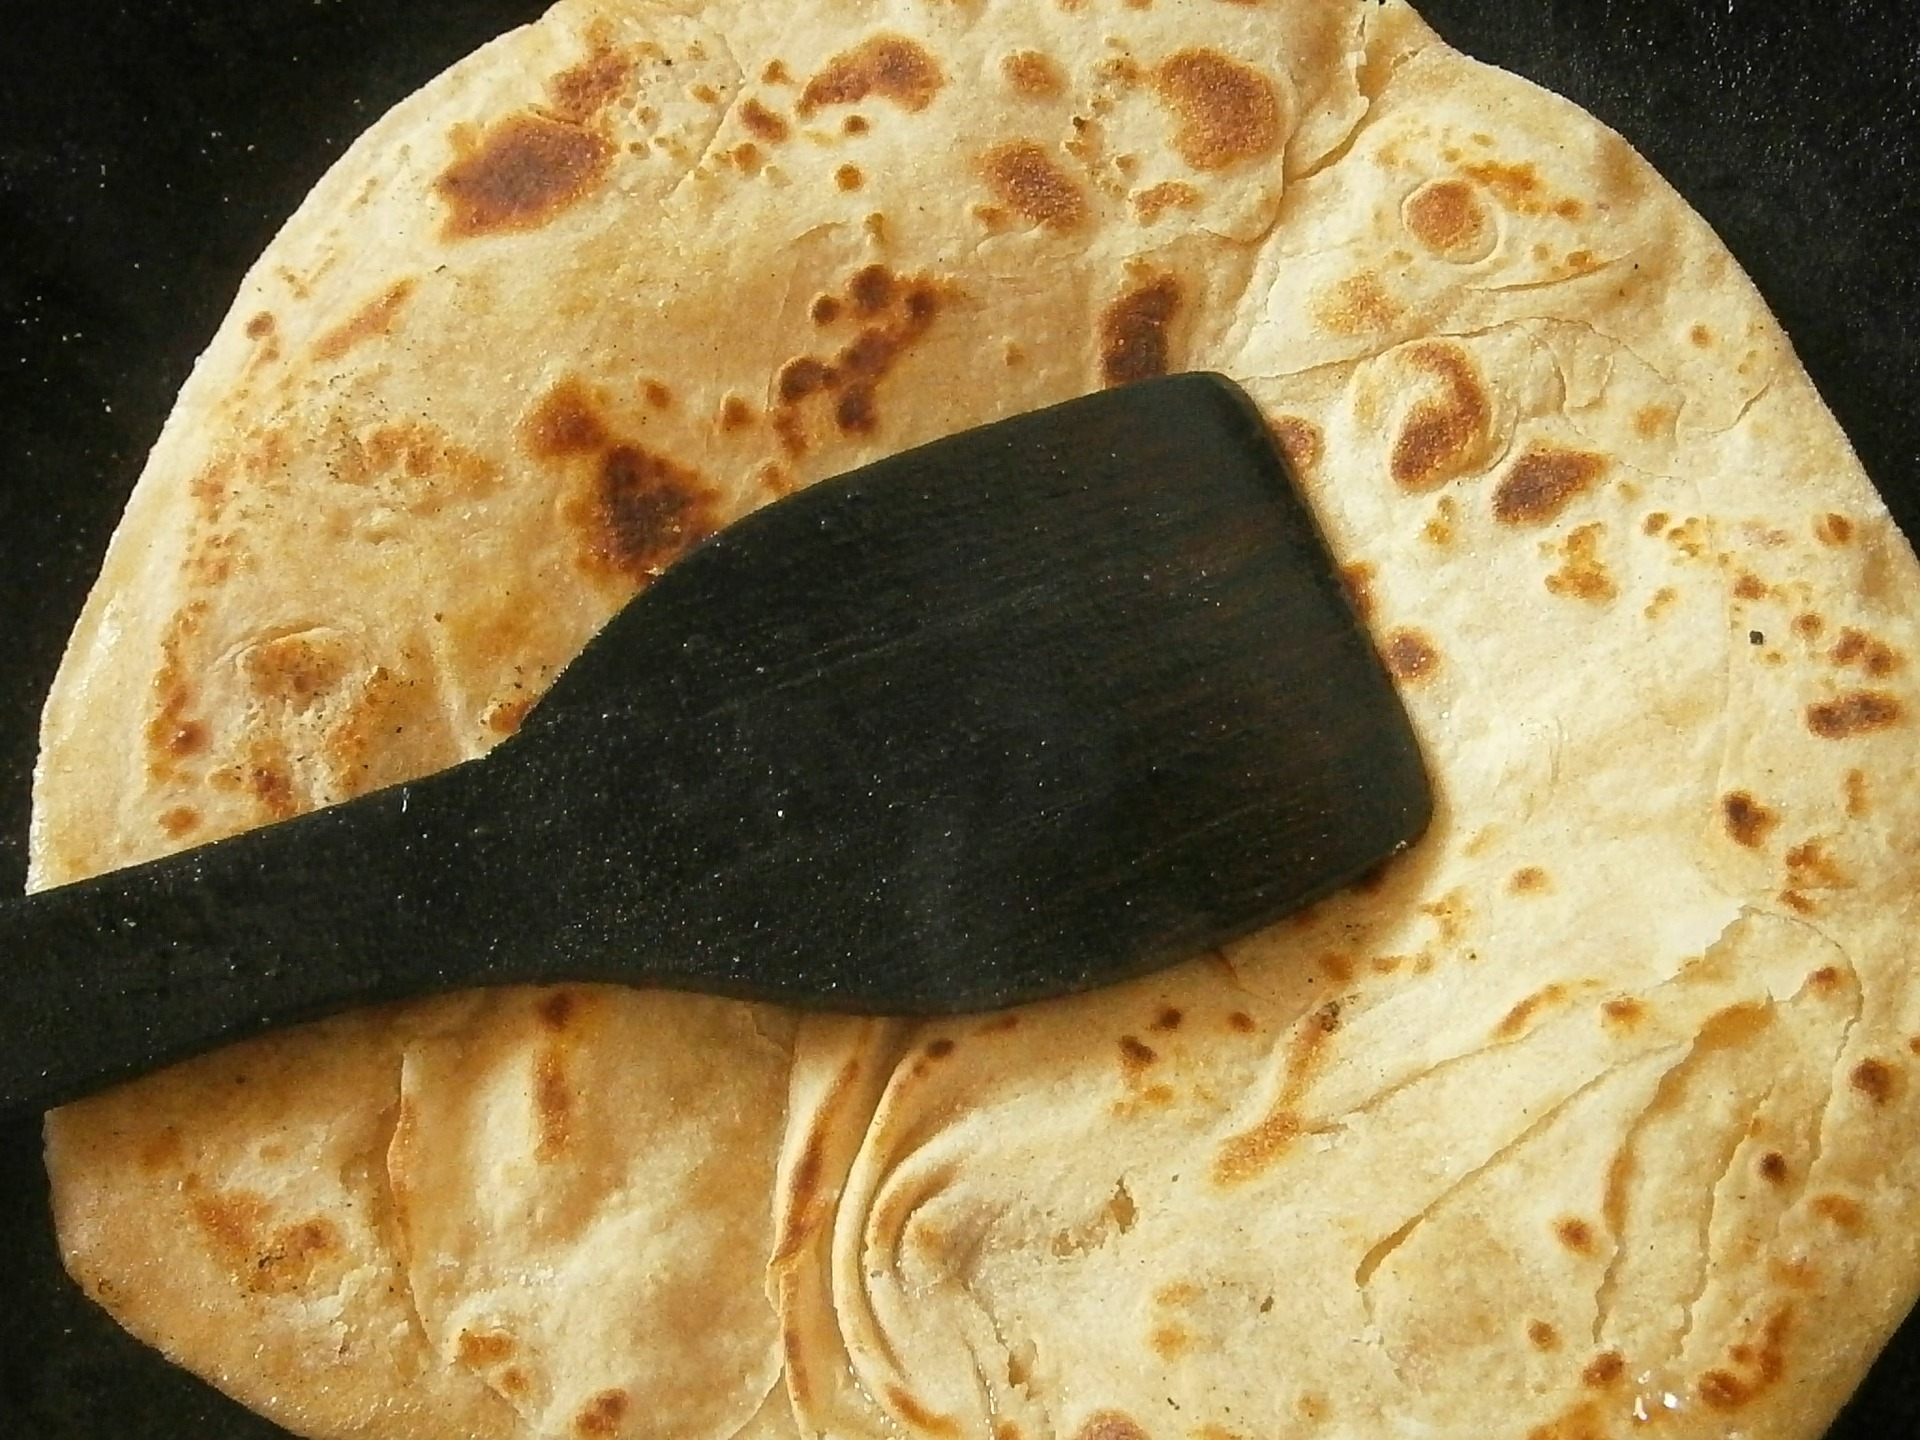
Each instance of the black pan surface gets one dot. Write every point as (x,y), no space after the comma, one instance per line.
(149,149)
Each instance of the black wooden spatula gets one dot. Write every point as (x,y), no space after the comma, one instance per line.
(1019,713)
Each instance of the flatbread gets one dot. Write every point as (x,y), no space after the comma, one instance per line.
(1596,1110)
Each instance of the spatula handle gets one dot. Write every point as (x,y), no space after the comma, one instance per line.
(116,975)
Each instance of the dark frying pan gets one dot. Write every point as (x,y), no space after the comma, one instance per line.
(149,148)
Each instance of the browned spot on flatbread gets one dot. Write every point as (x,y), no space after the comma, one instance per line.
(1521,1016)
(178,821)
(565,422)
(735,413)
(849,177)
(909,1408)
(1223,111)
(484,1350)
(887,65)
(173,734)
(1876,1079)
(264,774)
(802,377)
(808,1203)
(556,1011)
(513,1382)
(1757,1367)
(1857,648)
(1358,576)
(230,1218)
(1410,655)
(1542,1336)
(642,512)
(1445,433)
(1810,867)
(1749,586)
(1243,1156)
(419,465)
(1440,526)
(505,716)
(1518,186)
(895,311)
(519,174)
(294,669)
(260,326)
(1859,805)
(803,1190)
(1747,821)
(165,1151)
(1024,177)
(1841,1211)
(581,91)
(1033,74)
(376,317)
(1154,201)
(854,413)
(1168,1019)
(1358,305)
(1582,574)
(600,1417)
(1650,422)
(266,1260)
(872,288)
(1576,1234)
(358,744)
(1543,482)
(1110,1425)
(1859,712)
(1529,880)
(1135,341)
(763,122)
(293,1253)
(792,431)
(1603,1370)
(1773,1168)
(1625,1012)
(776,73)
(1170,1342)
(552,1104)
(1447,217)
(1299,440)
(1833,529)
(1135,1054)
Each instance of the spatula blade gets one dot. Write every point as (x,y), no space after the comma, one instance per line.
(1019,713)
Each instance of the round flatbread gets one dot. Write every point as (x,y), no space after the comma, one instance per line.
(1594,1111)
